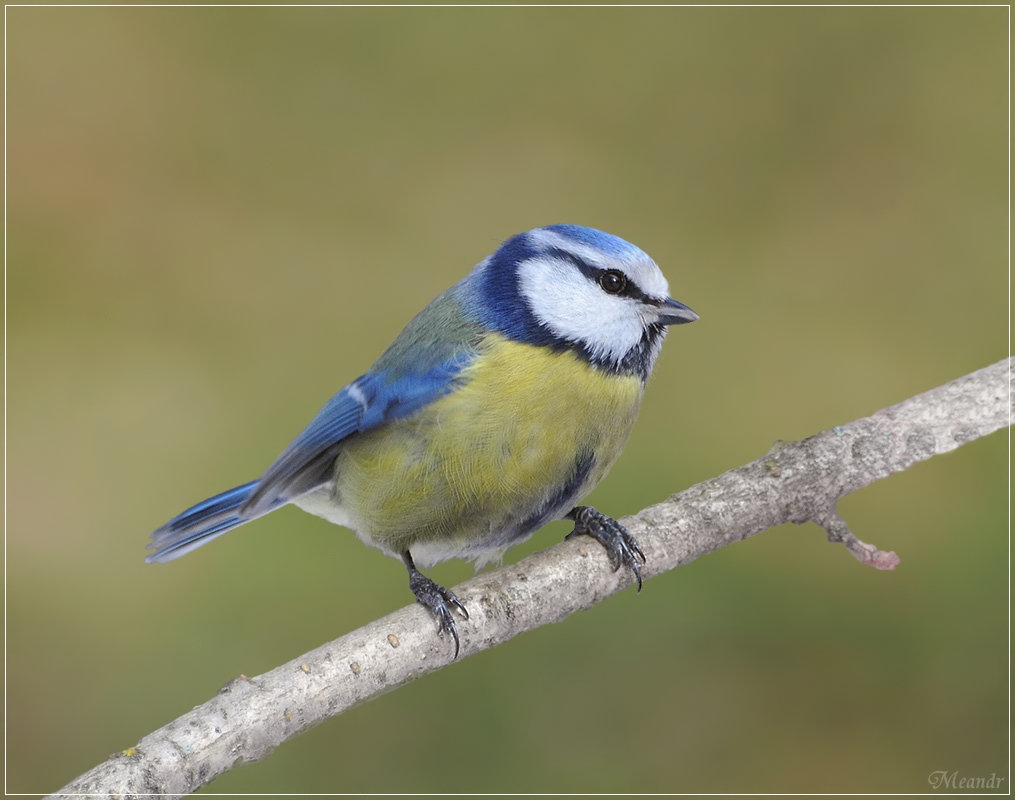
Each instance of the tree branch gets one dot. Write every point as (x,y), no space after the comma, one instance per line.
(795,482)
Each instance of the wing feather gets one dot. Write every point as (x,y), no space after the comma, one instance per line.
(422,364)
(369,401)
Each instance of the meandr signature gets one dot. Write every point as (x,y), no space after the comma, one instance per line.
(951,779)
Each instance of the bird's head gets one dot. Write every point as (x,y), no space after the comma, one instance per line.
(577,288)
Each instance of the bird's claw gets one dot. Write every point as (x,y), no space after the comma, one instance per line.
(621,547)
(440,601)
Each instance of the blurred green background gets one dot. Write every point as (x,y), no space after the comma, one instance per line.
(217,217)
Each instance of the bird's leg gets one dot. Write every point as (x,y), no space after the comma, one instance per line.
(620,545)
(435,597)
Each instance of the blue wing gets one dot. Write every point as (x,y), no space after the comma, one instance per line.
(367,402)
(423,363)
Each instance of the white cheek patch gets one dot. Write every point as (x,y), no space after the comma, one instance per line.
(574,308)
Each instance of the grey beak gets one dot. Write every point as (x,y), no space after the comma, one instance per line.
(673,312)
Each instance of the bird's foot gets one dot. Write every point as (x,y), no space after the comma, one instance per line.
(439,600)
(620,545)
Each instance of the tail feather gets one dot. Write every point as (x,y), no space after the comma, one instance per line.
(203,522)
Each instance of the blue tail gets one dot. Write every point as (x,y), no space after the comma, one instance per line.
(202,523)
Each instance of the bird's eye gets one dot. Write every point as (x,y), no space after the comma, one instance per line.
(613,281)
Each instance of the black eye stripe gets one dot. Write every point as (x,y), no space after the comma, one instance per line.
(590,272)
(629,289)
(594,274)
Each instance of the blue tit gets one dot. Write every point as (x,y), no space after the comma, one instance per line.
(496,410)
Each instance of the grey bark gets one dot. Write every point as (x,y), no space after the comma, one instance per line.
(795,482)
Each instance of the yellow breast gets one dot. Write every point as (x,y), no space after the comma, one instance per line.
(460,476)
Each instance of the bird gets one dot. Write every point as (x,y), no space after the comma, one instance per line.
(496,410)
